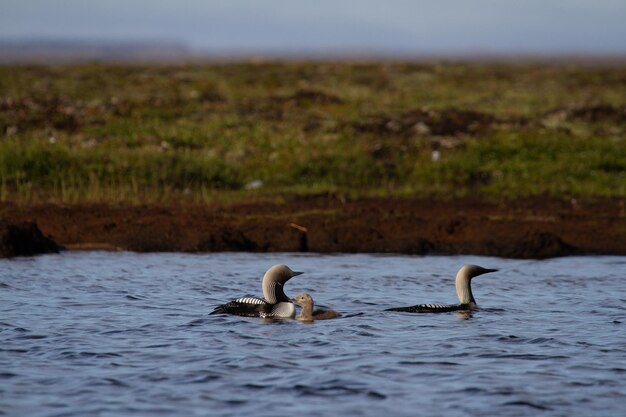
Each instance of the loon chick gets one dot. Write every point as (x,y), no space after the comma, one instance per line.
(305,301)
(274,302)
(463,291)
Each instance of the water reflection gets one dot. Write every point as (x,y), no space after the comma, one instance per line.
(464,314)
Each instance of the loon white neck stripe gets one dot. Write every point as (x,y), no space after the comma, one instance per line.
(272,292)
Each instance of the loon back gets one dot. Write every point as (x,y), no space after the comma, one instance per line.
(256,307)
(244,306)
(431,308)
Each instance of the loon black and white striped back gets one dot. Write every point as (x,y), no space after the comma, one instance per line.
(244,306)
(250,300)
(430,308)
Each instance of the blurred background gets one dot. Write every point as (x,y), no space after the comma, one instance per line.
(302,107)
(202,100)
(280,27)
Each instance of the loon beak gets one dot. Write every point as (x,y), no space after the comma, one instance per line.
(294,273)
(480,271)
(487,270)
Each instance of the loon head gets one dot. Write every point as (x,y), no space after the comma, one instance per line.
(303,299)
(463,282)
(273,282)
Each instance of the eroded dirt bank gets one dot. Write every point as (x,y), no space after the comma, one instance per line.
(531,228)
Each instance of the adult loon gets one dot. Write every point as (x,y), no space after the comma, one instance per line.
(463,291)
(274,304)
(305,301)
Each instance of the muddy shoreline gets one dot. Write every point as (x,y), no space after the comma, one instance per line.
(529,228)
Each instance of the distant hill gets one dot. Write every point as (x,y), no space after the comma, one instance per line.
(65,51)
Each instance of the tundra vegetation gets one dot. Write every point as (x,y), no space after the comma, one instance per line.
(224,132)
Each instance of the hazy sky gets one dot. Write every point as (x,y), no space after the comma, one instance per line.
(365,26)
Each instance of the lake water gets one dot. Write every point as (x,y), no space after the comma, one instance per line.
(126,334)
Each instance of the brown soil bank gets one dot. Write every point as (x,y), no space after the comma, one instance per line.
(24,239)
(531,228)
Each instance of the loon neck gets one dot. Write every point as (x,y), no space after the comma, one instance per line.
(464,288)
(307,310)
(273,282)
(273,292)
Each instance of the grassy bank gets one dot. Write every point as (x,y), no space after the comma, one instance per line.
(200,132)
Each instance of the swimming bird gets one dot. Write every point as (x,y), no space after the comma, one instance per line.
(305,301)
(463,291)
(274,304)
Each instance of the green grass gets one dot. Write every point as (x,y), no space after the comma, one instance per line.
(124,133)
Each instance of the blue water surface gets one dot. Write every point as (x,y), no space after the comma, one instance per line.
(127,334)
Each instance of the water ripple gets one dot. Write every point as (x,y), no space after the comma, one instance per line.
(99,333)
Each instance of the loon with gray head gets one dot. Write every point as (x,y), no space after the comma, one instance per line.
(463,291)
(274,304)
(308,313)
